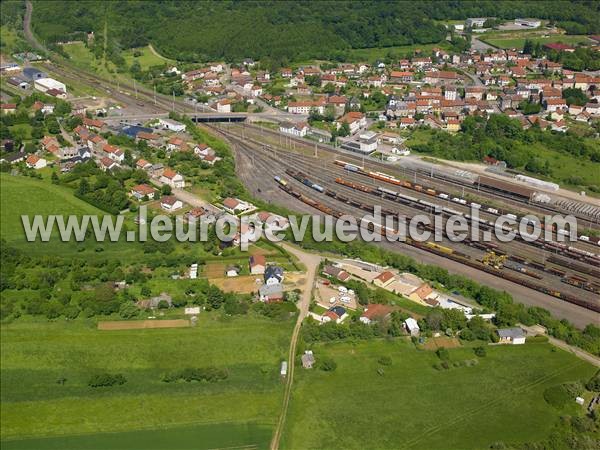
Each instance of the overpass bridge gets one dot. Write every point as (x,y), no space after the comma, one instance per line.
(211,117)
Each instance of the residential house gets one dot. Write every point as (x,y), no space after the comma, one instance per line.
(384,279)
(273,275)
(336,272)
(142,191)
(299,129)
(258,264)
(170,203)
(355,120)
(271,293)
(35,162)
(513,336)
(172,178)
(375,313)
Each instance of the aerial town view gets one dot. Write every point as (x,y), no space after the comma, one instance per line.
(297,225)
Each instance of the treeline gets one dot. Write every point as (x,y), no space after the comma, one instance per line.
(284,31)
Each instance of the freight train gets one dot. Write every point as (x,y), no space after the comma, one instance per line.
(445,252)
(446,196)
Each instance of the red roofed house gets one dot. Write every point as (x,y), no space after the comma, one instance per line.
(35,162)
(93,124)
(355,121)
(107,164)
(8,108)
(258,264)
(170,203)
(384,279)
(173,179)
(375,312)
(143,190)
(143,164)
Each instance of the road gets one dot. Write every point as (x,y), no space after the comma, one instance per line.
(562,344)
(311,261)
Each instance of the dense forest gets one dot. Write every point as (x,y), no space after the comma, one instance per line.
(284,30)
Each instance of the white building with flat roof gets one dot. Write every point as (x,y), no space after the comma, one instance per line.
(46,84)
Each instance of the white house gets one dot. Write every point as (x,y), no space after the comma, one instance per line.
(295,129)
(35,162)
(224,105)
(170,203)
(273,275)
(513,336)
(173,179)
(171,125)
(411,326)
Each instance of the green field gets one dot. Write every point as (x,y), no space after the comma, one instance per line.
(413,405)
(372,54)
(81,56)
(32,196)
(35,354)
(147,58)
(517,42)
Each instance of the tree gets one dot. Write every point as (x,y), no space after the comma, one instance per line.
(128,310)
(165,189)
(479,351)
(528,47)
(443,354)
(327,364)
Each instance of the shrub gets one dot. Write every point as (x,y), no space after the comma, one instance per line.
(208,374)
(594,383)
(556,396)
(385,361)
(327,364)
(480,351)
(106,380)
(443,354)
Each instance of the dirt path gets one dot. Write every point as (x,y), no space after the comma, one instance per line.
(27,27)
(158,55)
(311,262)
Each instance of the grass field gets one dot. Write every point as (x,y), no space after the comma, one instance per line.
(36,353)
(413,405)
(147,59)
(517,42)
(372,54)
(80,55)
(196,437)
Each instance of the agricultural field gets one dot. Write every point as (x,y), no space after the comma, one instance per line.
(147,57)
(419,406)
(37,412)
(518,41)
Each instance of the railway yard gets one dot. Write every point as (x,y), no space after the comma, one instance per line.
(559,276)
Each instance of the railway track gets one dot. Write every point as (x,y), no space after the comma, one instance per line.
(269,163)
(434,177)
(320,167)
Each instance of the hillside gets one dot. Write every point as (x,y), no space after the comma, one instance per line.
(282,31)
